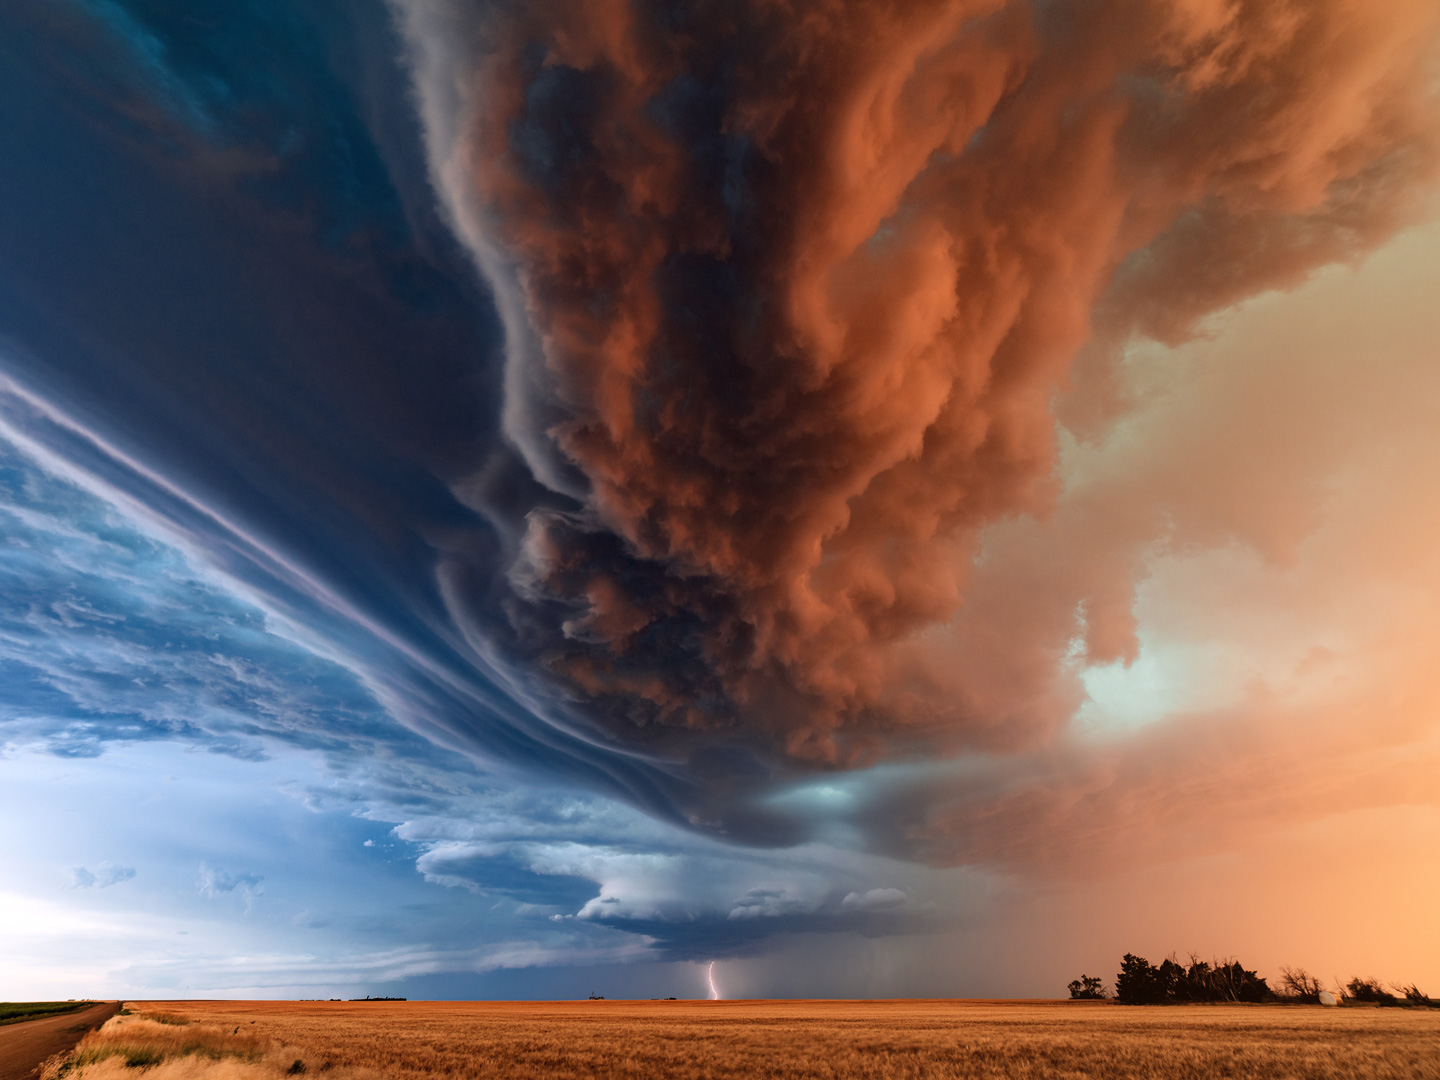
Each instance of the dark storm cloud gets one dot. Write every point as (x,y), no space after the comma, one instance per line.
(793,288)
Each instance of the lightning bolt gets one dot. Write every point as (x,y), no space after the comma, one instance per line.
(710,978)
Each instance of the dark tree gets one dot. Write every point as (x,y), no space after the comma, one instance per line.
(1370,991)
(1170,984)
(1137,983)
(1088,988)
(1142,983)
(1415,996)
(1299,985)
(1230,981)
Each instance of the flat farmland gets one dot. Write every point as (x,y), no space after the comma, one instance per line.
(835,1040)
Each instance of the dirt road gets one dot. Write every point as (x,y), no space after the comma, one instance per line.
(25,1045)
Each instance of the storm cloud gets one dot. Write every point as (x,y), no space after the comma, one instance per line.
(683,477)
(790,294)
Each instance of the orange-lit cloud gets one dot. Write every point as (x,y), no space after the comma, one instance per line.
(805,282)
(1267,504)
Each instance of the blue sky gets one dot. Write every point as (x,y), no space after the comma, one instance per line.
(283,703)
(217,808)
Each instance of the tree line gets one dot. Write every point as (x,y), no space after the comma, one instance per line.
(1171,982)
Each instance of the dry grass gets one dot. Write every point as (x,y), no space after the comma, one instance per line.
(937,1040)
(147,1040)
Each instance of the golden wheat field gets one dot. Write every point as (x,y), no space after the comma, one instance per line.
(679,1040)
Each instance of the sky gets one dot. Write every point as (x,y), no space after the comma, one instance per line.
(518,500)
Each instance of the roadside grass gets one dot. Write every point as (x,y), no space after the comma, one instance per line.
(762,1040)
(13,1012)
(148,1040)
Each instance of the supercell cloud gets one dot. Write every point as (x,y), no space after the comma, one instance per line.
(791,291)
(620,481)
